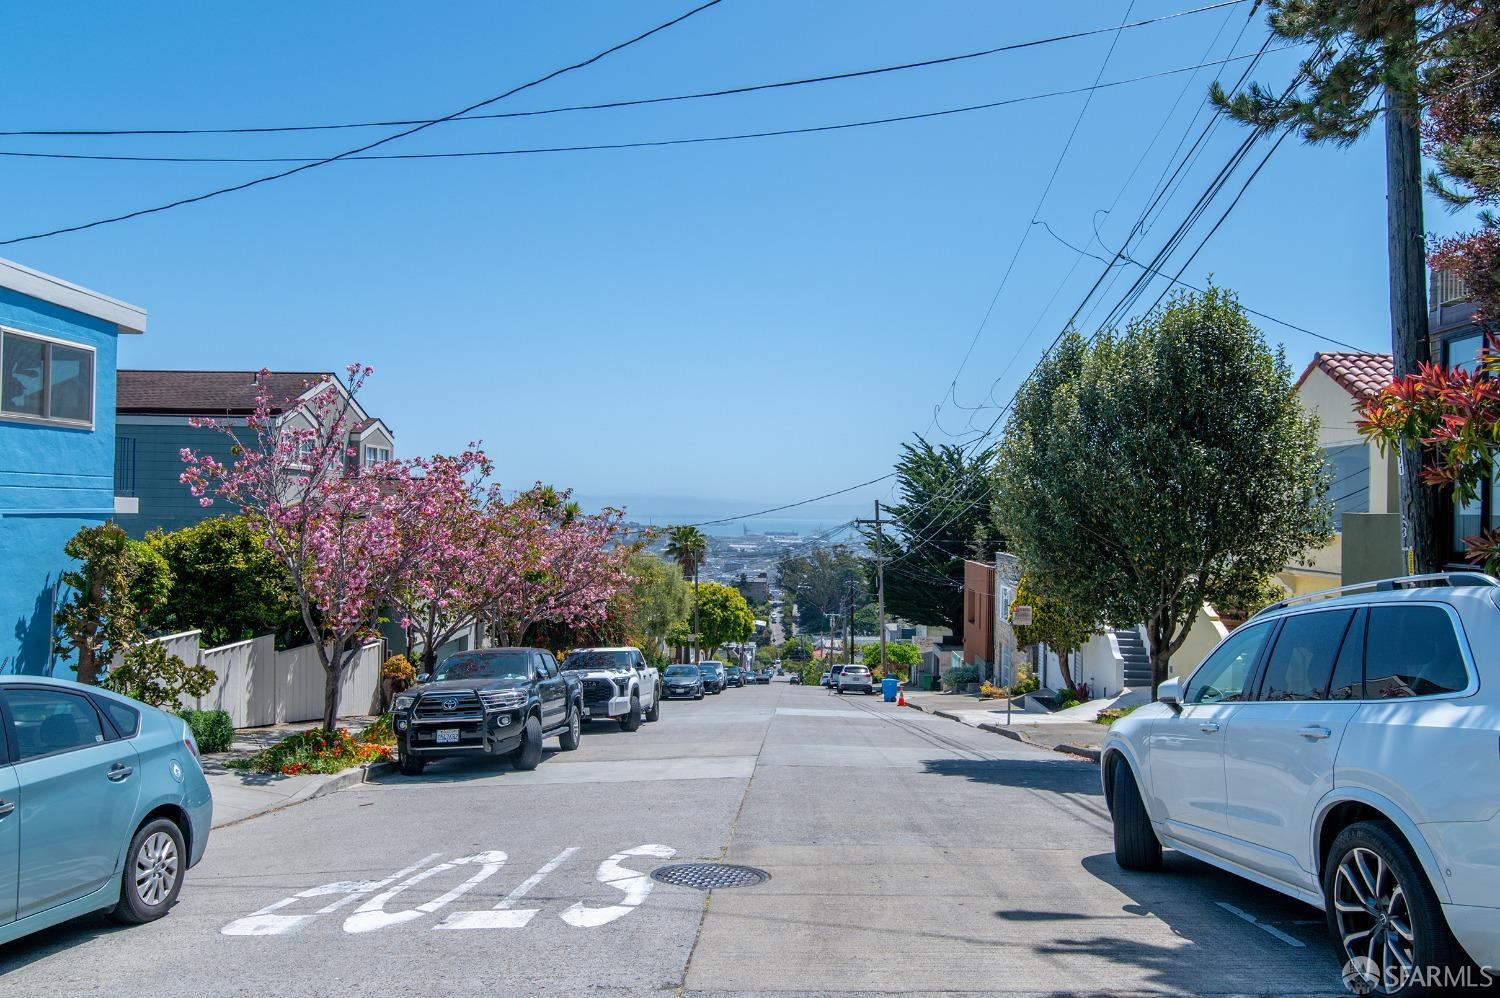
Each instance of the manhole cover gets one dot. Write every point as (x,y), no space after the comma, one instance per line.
(709,876)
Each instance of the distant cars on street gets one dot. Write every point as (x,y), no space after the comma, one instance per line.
(683,681)
(103,805)
(824,680)
(734,676)
(1338,747)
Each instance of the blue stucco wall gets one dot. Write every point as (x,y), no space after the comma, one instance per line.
(166,503)
(53,480)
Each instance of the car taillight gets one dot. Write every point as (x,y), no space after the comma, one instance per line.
(191,745)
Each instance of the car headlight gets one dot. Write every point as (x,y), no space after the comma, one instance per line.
(622,684)
(402,703)
(501,699)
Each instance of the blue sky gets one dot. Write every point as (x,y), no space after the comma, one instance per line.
(751,322)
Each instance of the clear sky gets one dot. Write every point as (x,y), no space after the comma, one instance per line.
(752,322)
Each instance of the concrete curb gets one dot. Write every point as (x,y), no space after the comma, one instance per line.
(1091,754)
(335,782)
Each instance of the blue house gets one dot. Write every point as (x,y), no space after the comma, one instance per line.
(57,444)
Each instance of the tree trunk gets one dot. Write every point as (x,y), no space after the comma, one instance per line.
(333,672)
(88,669)
(1159,630)
(1409,343)
(1067,673)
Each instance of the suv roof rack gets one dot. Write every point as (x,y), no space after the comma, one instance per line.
(1455,579)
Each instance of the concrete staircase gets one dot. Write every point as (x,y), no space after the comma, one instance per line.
(1137,659)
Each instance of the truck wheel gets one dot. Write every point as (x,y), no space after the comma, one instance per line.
(411,766)
(528,755)
(568,740)
(154,865)
(699,696)
(632,720)
(654,714)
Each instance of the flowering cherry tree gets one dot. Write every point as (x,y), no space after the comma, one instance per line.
(347,537)
(449,583)
(553,564)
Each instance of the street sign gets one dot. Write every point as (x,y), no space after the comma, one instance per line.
(1021,616)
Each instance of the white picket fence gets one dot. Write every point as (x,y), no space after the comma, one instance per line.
(258,685)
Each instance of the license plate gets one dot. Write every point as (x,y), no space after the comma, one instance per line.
(446,736)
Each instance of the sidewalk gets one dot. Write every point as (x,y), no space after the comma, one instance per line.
(240,794)
(1072,731)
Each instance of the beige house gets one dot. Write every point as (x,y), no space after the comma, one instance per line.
(1365,489)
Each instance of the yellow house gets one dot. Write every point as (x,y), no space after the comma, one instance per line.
(1364,480)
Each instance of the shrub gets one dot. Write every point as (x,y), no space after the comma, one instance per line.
(1024,685)
(316,751)
(149,674)
(989,691)
(1110,715)
(212,729)
(399,672)
(962,674)
(1067,698)
(380,732)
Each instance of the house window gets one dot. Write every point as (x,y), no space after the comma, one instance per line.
(1463,351)
(1483,513)
(376,455)
(46,380)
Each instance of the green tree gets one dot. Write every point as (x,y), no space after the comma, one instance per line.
(899,656)
(116,582)
(867,619)
(225,582)
(1151,472)
(688,546)
(723,616)
(656,599)
(941,520)
(1367,64)
(151,675)
(1054,622)
(798,649)
(821,582)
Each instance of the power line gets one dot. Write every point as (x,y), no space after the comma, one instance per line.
(826,78)
(791,505)
(369,145)
(608,146)
(1025,232)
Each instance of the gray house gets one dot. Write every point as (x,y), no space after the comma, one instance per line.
(153,413)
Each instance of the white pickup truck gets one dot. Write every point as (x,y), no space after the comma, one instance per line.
(617,683)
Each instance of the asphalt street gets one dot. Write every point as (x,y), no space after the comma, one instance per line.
(907,854)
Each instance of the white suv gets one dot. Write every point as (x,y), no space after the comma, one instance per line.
(1344,751)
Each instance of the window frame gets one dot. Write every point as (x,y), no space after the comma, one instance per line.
(1465,654)
(1263,667)
(47,419)
(106,729)
(1252,677)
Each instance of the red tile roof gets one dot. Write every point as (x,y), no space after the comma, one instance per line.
(204,393)
(1359,374)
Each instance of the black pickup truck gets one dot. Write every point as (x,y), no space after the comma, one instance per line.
(497,702)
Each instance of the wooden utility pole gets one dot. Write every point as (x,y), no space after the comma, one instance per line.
(1421,546)
(879,576)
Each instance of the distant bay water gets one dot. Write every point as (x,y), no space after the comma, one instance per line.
(658,512)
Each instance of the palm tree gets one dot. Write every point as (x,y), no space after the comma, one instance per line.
(688,547)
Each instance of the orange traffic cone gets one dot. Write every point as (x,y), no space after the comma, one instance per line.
(900,699)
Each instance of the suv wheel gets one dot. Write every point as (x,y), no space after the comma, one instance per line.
(1382,913)
(568,740)
(411,766)
(654,714)
(154,867)
(632,720)
(1136,844)
(528,755)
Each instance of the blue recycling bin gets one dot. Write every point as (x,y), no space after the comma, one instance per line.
(890,685)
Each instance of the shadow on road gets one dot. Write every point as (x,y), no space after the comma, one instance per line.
(461,769)
(1061,776)
(1184,896)
(40,945)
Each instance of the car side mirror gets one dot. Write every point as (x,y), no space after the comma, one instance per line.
(1170,693)
(424,677)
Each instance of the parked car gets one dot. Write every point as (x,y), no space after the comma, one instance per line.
(1342,751)
(856,679)
(103,806)
(833,676)
(734,676)
(714,677)
(795,680)
(617,683)
(497,702)
(824,680)
(764,677)
(683,681)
